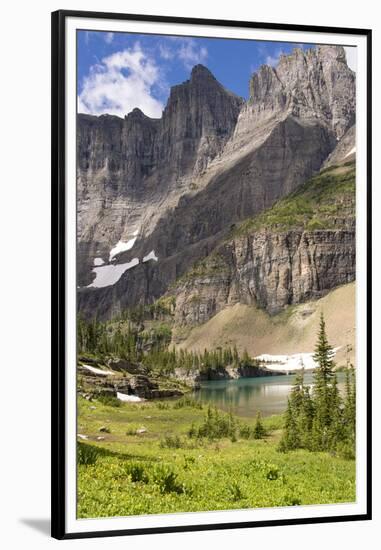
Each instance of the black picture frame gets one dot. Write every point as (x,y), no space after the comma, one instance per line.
(58,398)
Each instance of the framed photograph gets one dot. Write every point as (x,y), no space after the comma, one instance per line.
(211,188)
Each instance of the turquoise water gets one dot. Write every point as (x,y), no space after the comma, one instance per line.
(245,396)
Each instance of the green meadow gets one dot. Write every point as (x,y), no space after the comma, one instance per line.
(180,456)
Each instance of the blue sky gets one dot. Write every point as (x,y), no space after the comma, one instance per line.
(120,71)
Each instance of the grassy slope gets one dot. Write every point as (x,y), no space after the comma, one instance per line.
(323,202)
(291,331)
(211,475)
(326,201)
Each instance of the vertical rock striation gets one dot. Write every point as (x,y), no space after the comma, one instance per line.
(270,270)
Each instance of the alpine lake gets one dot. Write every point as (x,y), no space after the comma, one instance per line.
(246,396)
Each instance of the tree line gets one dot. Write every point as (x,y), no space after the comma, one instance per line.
(129,341)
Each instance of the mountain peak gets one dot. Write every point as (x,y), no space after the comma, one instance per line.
(136,113)
(332,52)
(201,72)
(306,84)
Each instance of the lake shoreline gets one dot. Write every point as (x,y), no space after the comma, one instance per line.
(246,396)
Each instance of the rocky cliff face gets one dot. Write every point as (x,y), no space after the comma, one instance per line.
(199,118)
(345,151)
(296,251)
(316,84)
(131,171)
(211,161)
(269,270)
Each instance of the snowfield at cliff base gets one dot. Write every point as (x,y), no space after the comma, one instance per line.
(288,363)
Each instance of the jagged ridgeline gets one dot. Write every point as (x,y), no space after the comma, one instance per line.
(221,200)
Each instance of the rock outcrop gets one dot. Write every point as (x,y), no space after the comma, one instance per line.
(345,151)
(135,381)
(267,269)
(311,84)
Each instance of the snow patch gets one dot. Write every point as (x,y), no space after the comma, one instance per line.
(150,256)
(98,371)
(290,362)
(129,398)
(122,246)
(98,261)
(353,150)
(108,275)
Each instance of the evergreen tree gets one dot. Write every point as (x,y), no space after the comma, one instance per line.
(305,420)
(246,359)
(259,429)
(297,392)
(323,421)
(290,438)
(298,418)
(324,398)
(336,431)
(349,413)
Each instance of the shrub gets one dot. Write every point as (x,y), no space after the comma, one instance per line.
(172,442)
(291,500)
(166,479)
(216,425)
(259,429)
(347,450)
(109,400)
(188,462)
(137,472)
(193,431)
(187,402)
(236,491)
(245,432)
(131,430)
(314,224)
(86,454)
(272,472)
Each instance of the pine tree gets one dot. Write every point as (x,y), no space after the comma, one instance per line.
(305,420)
(297,392)
(323,396)
(246,359)
(349,413)
(323,421)
(290,439)
(259,429)
(336,430)
(235,356)
(299,416)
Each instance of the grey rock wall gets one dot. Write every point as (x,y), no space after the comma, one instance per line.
(211,161)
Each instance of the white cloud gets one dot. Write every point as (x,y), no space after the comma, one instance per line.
(109,37)
(351,54)
(165,52)
(273,60)
(191,54)
(121,82)
(184,49)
